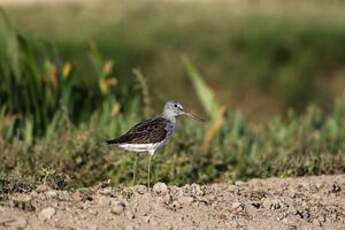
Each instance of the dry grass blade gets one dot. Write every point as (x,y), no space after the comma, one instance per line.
(203,92)
(142,85)
(213,128)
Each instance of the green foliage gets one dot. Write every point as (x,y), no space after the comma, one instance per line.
(275,53)
(33,87)
(53,121)
(309,144)
(72,153)
(203,92)
(39,91)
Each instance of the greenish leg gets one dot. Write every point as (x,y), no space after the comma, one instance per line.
(135,168)
(149,171)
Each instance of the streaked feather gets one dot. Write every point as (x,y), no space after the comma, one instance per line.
(147,132)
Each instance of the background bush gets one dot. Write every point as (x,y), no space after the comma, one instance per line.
(270,83)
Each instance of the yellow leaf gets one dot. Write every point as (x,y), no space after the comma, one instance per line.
(66,70)
(107,67)
(213,128)
(116,109)
(112,81)
(103,86)
(53,75)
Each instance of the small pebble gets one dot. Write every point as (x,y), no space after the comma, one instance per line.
(51,193)
(76,196)
(46,213)
(140,189)
(236,205)
(186,200)
(106,191)
(118,208)
(160,189)
(42,188)
(104,201)
(239,183)
(19,223)
(196,190)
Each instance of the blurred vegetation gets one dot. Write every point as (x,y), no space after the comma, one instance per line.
(282,54)
(59,100)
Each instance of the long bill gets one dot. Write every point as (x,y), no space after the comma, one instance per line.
(194,117)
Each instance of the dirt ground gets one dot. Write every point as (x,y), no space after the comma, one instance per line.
(302,203)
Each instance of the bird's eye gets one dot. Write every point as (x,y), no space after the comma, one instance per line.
(175,105)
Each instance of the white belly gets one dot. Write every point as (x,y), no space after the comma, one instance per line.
(140,147)
(150,148)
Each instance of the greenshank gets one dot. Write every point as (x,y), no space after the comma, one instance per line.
(150,135)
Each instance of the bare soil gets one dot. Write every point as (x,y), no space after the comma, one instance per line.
(292,203)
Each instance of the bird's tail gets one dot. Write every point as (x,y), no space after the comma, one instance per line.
(111,142)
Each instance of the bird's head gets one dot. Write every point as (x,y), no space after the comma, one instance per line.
(175,109)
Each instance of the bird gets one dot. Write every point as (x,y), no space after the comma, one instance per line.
(152,134)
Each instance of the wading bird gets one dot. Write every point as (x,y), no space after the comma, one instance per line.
(150,135)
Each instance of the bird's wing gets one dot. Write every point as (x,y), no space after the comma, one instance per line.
(149,131)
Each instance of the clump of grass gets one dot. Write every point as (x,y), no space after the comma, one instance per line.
(39,91)
(53,129)
(143,87)
(33,85)
(277,54)
(308,144)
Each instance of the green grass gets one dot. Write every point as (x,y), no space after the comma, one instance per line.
(282,54)
(68,149)
(61,99)
(310,144)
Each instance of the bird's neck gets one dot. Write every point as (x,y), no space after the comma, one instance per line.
(169,117)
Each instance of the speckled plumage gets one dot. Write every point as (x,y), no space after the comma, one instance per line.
(146,132)
(150,135)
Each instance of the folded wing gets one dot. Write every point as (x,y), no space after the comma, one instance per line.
(146,132)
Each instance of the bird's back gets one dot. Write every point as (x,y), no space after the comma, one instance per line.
(147,132)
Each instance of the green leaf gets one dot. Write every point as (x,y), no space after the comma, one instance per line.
(204,93)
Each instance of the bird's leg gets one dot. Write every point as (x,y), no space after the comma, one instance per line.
(135,168)
(149,171)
